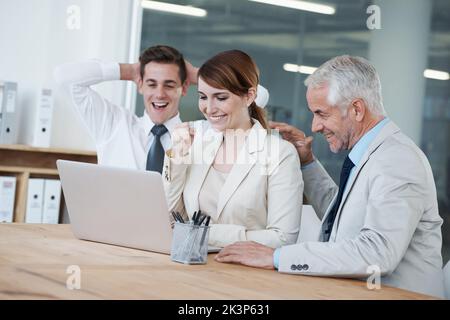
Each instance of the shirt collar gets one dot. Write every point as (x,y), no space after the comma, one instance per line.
(363,144)
(169,124)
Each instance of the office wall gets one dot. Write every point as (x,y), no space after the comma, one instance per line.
(35,38)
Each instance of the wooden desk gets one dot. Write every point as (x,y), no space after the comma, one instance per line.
(34,260)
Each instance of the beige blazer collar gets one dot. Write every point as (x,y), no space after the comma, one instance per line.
(246,159)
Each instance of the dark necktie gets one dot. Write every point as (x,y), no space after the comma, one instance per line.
(328,223)
(155,157)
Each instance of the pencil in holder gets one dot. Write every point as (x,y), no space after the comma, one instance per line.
(190,243)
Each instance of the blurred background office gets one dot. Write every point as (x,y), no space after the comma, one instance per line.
(407,40)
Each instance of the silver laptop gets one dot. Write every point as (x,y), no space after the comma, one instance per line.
(117,206)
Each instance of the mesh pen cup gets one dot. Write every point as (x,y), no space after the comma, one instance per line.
(190,243)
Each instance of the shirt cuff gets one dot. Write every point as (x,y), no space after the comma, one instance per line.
(276,258)
(110,70)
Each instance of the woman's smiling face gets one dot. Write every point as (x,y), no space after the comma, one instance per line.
(222,108)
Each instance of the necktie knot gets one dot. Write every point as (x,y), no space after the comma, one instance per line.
(158,130)
(348,165)
(155,156)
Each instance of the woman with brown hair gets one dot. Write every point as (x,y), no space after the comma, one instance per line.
(230,166)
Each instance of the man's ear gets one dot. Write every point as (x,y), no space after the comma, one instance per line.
(359,109)
(139,85)
(184,87)
(251,96)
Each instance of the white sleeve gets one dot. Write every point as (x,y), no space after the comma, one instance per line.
(98,114)
(262,96)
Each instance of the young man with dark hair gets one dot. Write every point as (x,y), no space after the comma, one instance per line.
(122,139)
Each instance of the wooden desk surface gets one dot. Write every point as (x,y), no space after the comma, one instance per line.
(34,260)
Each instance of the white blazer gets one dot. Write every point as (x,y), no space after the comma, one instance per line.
(262,197)
(388,220)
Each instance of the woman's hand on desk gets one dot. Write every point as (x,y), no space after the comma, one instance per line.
(182,138)
(248,253)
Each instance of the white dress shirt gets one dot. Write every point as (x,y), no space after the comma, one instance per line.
(122,139)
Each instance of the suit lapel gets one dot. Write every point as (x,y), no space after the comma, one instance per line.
(247,158)
(205,151)
(389,129)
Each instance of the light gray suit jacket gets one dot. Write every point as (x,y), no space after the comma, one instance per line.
(388,217)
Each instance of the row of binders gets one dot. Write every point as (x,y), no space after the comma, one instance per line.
(7,195)
(9,120)
(43,200)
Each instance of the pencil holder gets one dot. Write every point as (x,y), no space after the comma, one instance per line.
(190,243)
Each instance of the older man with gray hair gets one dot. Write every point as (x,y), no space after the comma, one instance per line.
(383,216)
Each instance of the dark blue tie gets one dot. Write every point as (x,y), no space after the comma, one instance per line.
(328,223)
(155,156)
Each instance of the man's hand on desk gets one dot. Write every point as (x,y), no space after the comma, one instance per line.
(248,253)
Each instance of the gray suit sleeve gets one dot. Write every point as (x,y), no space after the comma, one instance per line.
(394,208)
(320,189)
